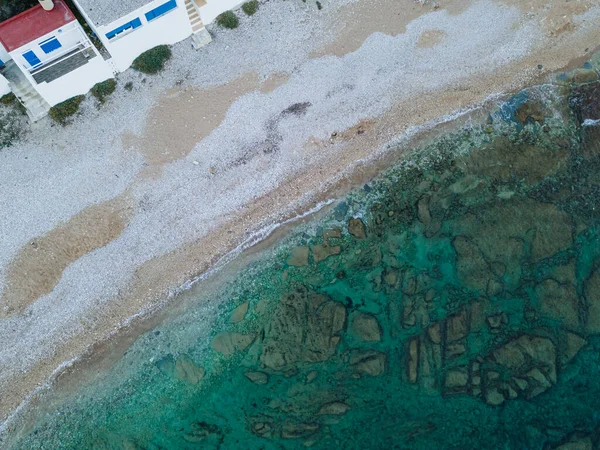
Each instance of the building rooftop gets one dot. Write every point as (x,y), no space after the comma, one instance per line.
(32,24)
(104,12)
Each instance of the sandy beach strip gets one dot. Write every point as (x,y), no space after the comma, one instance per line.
(106,217)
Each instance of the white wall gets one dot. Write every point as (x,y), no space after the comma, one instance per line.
(69,35)
(170,28)
(4,87)
(4,55)
(213,8)
(77,82)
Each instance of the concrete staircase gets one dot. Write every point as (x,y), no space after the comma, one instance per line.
(33,102)
(200,35)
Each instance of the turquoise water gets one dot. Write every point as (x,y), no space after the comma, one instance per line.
(452,302)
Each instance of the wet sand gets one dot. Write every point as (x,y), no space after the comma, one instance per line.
(333,166)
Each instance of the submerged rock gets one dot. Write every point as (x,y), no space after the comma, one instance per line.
(334,409)
(299,256)
(305,327)
(227,343)
(322,251)
(257,377)
(239,313)
(293,430)
(592,298)
(369,362)
(365,327)
(188,371)
(357,228)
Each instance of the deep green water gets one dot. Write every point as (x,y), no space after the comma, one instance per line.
(453,302)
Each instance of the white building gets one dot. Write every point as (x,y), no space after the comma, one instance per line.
(48,57)
(130,27)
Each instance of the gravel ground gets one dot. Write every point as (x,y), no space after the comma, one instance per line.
(56,172)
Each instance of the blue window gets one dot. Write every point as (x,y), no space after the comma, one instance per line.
(160,10)
(31,58)
(50,45)
(128,26)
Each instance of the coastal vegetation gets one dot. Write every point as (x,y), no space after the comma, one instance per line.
(103,89)
(64,111)
(250,7)
(228,20)
(152,61)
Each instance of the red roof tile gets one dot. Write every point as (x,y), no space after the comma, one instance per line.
(32,24)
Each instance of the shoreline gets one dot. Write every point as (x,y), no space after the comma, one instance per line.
(102,354)
(326,186)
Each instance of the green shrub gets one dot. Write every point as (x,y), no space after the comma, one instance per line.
(250,7)
(63,111)
(228,20)
(152,61)
(103,89)
(129,86)
(8,99)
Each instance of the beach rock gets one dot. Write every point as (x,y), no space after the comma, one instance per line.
(365,327)
(334,409)
(227,343)
(305,327)
(357,228)
(257,377)
(592,297)
(187,371)
(239,313)
(298,256)
(322,252)
(369,362)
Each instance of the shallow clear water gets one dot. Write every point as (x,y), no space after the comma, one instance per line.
(453,302)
